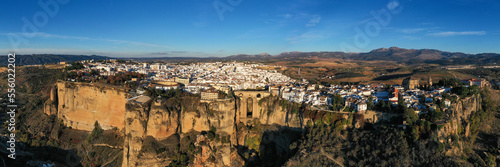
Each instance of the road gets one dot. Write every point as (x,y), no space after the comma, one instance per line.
(314,108)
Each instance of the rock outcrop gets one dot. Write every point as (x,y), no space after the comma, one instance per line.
(80,105)
(161,123)
(232,121)
(136,126)
(459,114)
(213,153)
(161,120)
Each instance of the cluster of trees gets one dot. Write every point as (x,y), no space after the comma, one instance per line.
(484,114)
(292,107)
(120,79)
(337,102)
(369,103)
(446,82)
(466,91)
(78,76)
(165,94)
(74,66)
(386,106)
(33,80)
(417,145)
(458,87)
(324,145)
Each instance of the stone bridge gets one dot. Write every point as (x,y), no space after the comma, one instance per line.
(248,107)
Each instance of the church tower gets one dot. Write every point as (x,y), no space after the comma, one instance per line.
(430,81)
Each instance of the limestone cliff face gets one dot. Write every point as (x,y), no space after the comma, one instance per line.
(136,127)
(464,107)
(271,112)
(161,120)
(167,119)
(460,114)
(50,106)
(281,117)
(162,123)
(213,153)
(80,105)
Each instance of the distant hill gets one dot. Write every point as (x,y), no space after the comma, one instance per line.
(409,56)
(417,56)
(249,57)
(400,55)
(48,59)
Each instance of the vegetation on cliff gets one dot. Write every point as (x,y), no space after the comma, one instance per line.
(416,145)
(38,134)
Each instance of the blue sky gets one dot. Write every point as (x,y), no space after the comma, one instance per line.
(226,27)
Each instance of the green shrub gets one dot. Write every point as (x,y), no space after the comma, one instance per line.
(96,133)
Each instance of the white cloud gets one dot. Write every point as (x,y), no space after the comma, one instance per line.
(309,19)
(392,5)
(456,33)
(313,21)
(412,30)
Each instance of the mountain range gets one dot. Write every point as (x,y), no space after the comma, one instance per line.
(400,55)
(49,59)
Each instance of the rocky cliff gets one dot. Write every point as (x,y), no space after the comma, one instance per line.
(79,105)
(459,114)
(162,119)
(181,117)
(223,132)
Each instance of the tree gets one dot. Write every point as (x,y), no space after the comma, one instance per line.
(94,72)
(422,99)
(369,103)
(75,66)
(96,133)
(410,116)
(464,91)
(401,104)
(436,115)
(72,74)
(337,102)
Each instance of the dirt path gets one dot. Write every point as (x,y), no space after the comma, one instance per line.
(107,145)
(330,157)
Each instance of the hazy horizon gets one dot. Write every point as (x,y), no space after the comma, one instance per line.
(185,56)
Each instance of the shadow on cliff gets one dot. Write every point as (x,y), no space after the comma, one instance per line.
(276,147)
(38,156)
